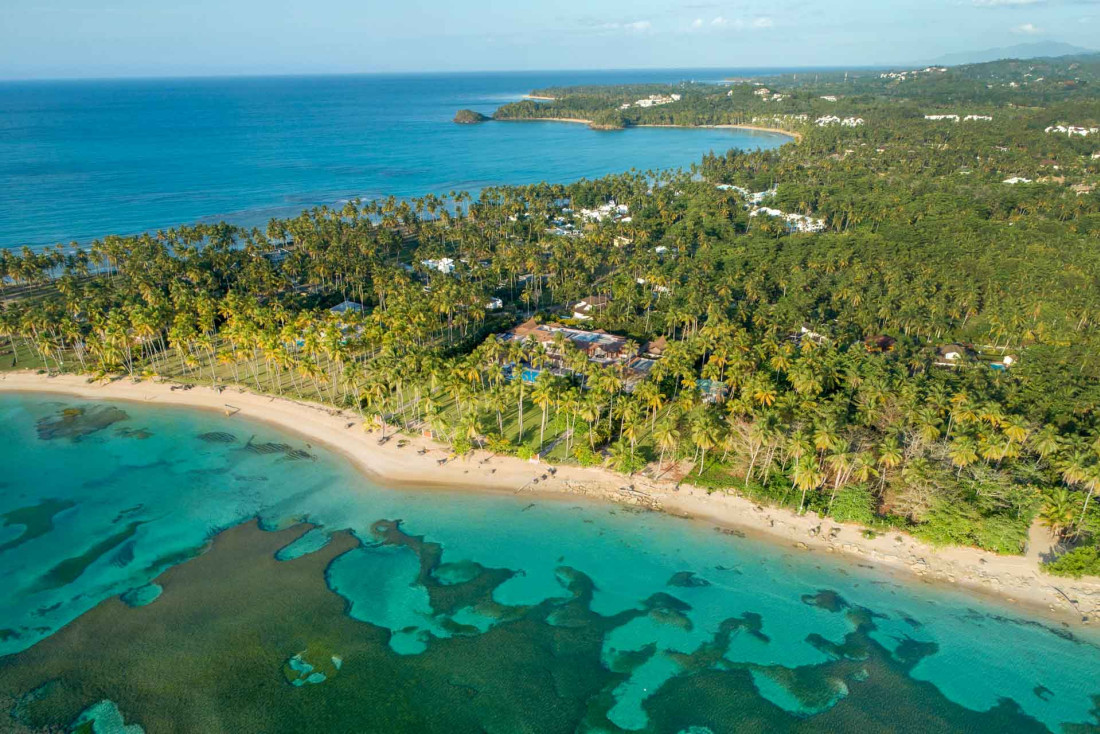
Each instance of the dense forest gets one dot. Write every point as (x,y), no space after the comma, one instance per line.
(894,321)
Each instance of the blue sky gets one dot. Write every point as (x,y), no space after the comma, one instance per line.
(82,38)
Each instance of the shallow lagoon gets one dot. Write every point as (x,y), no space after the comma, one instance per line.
(635,620)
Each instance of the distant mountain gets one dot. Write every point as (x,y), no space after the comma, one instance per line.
(1040,49)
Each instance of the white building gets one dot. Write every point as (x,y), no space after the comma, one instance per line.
(1017,180)
(494,304)
(584,310)
(444,265)
(795,222)
(654,100)
(829,120)
(1072,130)
(610,210)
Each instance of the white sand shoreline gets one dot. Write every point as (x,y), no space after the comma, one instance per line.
(1015,580)
(796,137)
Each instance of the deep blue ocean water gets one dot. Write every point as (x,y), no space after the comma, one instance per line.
(83,159)
(96,505)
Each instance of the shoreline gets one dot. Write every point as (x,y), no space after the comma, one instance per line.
(795,136)
(1013,581)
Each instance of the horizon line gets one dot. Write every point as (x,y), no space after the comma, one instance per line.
(771,70)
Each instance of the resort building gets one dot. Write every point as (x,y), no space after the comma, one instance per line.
(494,304)
(589,307)
(880,343)
(752,197)
(598,345)
(795,222)
(830,120)
(1072,130)
(903,75)
(806,332)
(656,348)
(610,210)
(654,100)
(347,307)
(956,118)
(444,265)
(950,355)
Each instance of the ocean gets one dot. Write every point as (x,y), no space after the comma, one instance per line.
(84,159)
(183,571)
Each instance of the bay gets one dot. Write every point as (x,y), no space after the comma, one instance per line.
(136,540)
(84,159)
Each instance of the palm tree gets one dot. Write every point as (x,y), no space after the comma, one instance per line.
(651,396)
(1057,510)
(1091,480)
(543,395)
(889,457)
(1016,428)
(963,452)
(1045,441)
(705,435)
(667,437)
(805,475)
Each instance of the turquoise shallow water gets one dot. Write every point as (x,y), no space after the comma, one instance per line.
(81,160)
(98,503)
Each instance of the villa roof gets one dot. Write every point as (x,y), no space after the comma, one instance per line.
(593,302)
(881,342)
(587,341)
(947,349)
(347,306)
(657,345)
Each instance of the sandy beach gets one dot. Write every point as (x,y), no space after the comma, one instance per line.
(797,137)
(758,128)
(548,119)
(419,461)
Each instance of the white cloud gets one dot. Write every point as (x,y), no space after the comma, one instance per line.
(637,26)
(1028,29)
(739,24)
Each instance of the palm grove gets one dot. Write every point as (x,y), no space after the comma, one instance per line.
(803,369)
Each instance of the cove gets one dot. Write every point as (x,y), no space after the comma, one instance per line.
(290,591)
(82,160)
